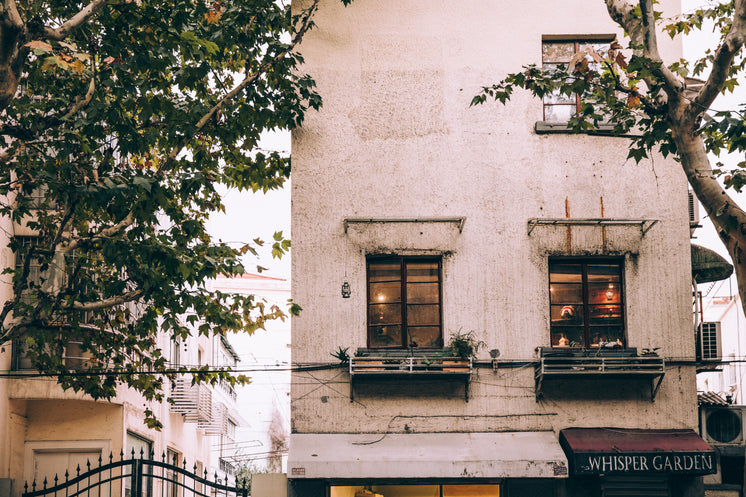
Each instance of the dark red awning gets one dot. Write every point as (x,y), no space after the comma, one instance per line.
(633,451)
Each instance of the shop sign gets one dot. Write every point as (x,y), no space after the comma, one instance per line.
(692,463)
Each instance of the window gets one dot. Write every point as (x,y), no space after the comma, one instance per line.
(559,108)
(171,480)
(141,448)
(586,305)
(404,302)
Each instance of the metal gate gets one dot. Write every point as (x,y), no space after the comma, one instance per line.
(136,477)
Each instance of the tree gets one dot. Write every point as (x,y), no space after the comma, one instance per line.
(661,104)
(120,118)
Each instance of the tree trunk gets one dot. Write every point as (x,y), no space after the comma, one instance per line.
(729,219)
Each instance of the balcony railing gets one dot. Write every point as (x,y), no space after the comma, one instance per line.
(424,365)
(598,364)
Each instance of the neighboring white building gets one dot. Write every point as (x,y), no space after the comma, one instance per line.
(416,216)
(260,442)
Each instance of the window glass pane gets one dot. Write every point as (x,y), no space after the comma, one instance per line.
(384,314)
(567,314)
(422,271)
(424,337)
(423,315)
(605,272)
(557,51)
(566,293)
(600,293)
(558,113)
(385,336)
(568,336)
(565,273)
(606,314)
(384,271)
(385,292)
(471,490)
(607,336)
(423,293)
(556,97)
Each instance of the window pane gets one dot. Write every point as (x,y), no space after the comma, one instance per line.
(556,97)
(566,293)
(557,51)
(423,293)
(422,271)
(424,337)
(606,314)
(607,336)
(600,293)
(605,272)
(385,336)
(423,315)
(471,490)
(558,113)
(568,336)
(565,273)
(567,314)
(384,314)
(384,271)
(385,292)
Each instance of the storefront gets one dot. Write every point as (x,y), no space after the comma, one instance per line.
(425,465)
(620,462)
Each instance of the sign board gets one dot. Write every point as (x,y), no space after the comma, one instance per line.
(600,463)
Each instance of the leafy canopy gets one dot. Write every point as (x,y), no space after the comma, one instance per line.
(120,119)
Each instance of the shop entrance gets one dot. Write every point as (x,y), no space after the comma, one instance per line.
(416,491)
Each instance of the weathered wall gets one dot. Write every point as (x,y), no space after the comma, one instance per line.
(396,138)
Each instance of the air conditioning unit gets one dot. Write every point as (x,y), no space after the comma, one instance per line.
(723,425)
(709,344)
(693,210)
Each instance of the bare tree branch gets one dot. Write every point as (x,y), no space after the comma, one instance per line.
(75,21)
(724,56)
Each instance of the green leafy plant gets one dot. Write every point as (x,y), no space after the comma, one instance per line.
(465,345)
(341,355)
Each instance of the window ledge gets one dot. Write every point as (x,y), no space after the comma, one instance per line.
(547,128)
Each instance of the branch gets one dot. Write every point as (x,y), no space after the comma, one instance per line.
(75,21)
(724,56)
(104,233)
(82,102)
(110,302)
(12,18)
(248,80)
(641,32)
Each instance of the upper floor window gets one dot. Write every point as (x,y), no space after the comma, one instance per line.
(558,107)
(586,305)
(404,302)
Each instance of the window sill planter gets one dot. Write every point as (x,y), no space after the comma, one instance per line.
(435,365)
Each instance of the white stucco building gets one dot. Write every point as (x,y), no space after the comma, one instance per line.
(416,216)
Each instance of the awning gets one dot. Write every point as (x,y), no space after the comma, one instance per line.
(426,455)
(629,451)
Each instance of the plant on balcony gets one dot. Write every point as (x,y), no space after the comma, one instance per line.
(465,345)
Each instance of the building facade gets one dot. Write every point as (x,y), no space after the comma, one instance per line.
(418,219)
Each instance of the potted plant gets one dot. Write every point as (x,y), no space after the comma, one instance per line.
(464,346)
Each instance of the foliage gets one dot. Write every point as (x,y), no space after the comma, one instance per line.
(465,345)
(341,355)
(662,106)
(121,121)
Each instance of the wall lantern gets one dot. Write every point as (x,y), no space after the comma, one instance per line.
(346,291)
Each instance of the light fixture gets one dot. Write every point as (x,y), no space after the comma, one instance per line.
(610,292)
(346,291)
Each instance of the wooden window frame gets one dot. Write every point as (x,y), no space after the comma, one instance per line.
(577,41)
(586,303)
(403,261)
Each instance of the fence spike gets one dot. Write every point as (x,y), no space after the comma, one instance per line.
(55,479)
(88,464)
(121,454)
(194,470)
(163,456)
(111,457)
(45,483)
(100,461)
(183,463)
(78,470)
(142,452)
(25,487)
(33,486)
(205,474)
